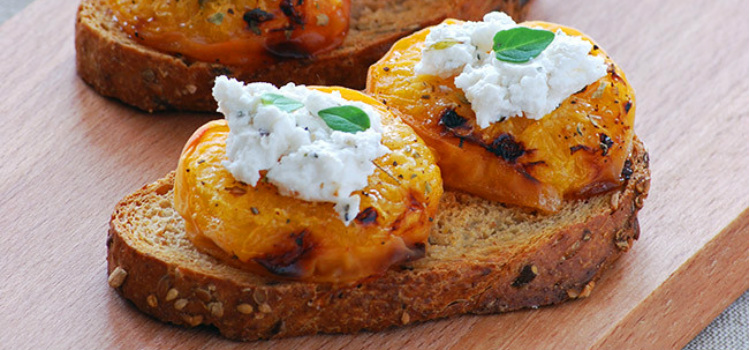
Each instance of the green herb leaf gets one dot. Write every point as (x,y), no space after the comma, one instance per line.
(216,18)
(442,45)
(281,102)
(521,44)
(345,118)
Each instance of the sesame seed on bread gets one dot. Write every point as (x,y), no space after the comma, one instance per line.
(483,257)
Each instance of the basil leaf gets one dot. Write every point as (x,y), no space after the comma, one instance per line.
(283,103)
(442,45)
(521,44)
(345,118)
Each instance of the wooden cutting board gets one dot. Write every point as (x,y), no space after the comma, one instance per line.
(68,155)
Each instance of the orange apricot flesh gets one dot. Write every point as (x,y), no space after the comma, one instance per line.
(258,229)
(577,150)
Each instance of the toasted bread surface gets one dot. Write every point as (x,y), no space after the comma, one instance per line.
(117,66)
(484,257)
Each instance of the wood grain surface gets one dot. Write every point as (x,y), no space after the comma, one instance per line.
(68,155)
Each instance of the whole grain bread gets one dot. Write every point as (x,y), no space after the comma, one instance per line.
(116,66)
(483,257)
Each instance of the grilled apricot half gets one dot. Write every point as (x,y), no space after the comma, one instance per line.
(258,229)
(577,150)
(235,32)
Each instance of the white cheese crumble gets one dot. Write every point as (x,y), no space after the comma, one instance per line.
(304,158)
(497,89)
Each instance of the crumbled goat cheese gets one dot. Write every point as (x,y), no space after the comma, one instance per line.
(498,89)
(303,156)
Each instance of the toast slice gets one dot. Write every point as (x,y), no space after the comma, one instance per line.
(484,257)
(116,66)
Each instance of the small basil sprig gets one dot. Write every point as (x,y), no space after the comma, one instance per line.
(521,44)
(345,118)
(284,103)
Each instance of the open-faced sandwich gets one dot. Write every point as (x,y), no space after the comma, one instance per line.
(165,54)
(317,210)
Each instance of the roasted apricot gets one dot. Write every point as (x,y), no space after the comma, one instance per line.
(261,230)
(235,32)
(577,150)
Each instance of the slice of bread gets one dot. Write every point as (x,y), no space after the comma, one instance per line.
(116,66)
(483,257)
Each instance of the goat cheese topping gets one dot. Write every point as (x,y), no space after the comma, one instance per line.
(498,89)
(302,155)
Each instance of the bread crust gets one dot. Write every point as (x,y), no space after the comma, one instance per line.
(556,266)
(116,66)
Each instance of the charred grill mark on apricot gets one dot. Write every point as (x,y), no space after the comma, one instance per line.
(255,17)
(450,119)
(288,263)
(287,7)
(503,146)
(506,147)
(577,148)
(413,204)
(522,170)
(367,216)
(528,166)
